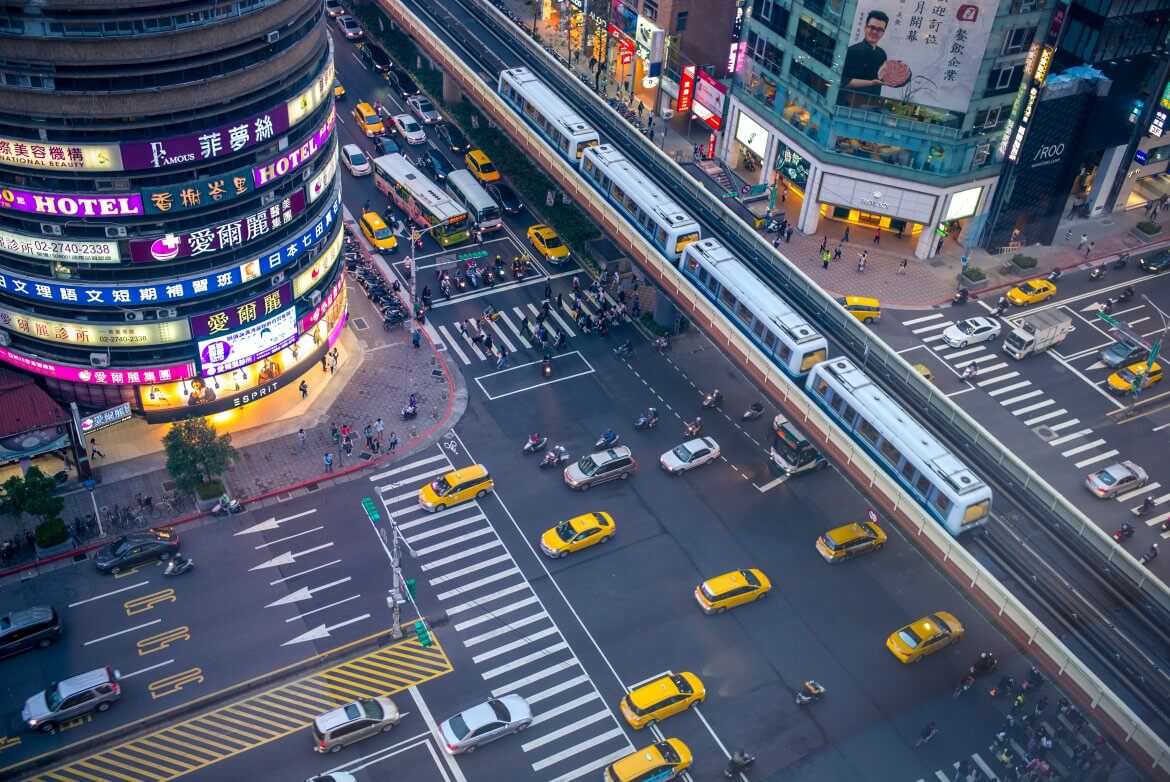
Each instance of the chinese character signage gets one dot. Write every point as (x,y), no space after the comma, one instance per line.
(295,158)
(162,293)
(161,332)
(319,185)
(105,418)
(74,205)
(193,195)
(918,51)
(238,316)
(686,90)
(105,376)
(1157,124)
(710,94)
(227,236)
(46,248)
(227,352)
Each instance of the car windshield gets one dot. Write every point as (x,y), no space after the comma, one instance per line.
(410,126)
(441,487)
(505,194)
(750,578)
(1127,376)
(458,727)
(383,233)
(372,708)
(486,166)
(549,241)
(910,638)
(682,453)
(683,685)
(1106,478)
(667,751)
(425,106)
(707,591)
(357,158)
(1030,287)
(53,696)
(565,531)
(121,546)
(587,465)
(369,118)
(969,326)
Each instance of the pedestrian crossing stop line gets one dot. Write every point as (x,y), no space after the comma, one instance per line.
(248,723)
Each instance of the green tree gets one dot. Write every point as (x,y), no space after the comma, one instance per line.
(196,453)
(34,494)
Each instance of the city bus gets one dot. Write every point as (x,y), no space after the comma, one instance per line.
(792,453)
(425,203)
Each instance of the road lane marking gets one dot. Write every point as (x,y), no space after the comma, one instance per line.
(107,594)
(578,747)
(122,632)
(412,539)
(1129,495)
(567,706)
(960,353)
(468,588)
(304,593)
(288,557)
(1067,437)
(455,574)
(1031,408)
(455,541)
(507,628)
(1021,398)
(144,670)
(412,465)
(997,379)
(522,661)
(433,727)
(1064,424)
(462,555)
(932,327)
(556,689)
(1082,448)
(589,768)
(417,479)
(1098,458)
(1006,389)
(323,631)
(454,345)
(289,537)
(923,319)
(596,716)
(322,608)
(1045,417)
(518,643)
(502,335)
(772,483)
(495,614)
(303,572)
(273,523)
(544,673)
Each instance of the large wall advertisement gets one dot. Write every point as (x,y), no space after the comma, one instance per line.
(926,52)
(163,332)
(105,377)
(73,250)
(177,151)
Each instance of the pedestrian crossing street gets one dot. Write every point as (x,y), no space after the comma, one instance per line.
(1075,440)
(515,645)
(507,329)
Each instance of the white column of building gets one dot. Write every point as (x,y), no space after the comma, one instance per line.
(810,213)
(928,239)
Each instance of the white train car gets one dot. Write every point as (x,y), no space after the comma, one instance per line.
(548,115)
(765,318)
(942,484)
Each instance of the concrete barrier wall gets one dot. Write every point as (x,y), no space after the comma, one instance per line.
(1061,664)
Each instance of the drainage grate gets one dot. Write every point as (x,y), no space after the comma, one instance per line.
(80,556)
(313,487)
(285,496)
(360,324)
(437,374)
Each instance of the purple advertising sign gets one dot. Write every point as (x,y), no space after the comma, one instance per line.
(209,145)
(70,205)
(294,158)
(221,237)
(227,320)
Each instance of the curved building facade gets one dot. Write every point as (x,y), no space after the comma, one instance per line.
(170,205)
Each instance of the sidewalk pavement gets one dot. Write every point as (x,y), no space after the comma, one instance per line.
(925,283)
(376,372)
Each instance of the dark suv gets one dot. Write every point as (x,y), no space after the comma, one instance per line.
(375,58)
(28,628)
(433,162)
(1124,352)
(400,80)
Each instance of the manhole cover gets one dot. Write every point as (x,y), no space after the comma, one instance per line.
(1044,433)
(360,324)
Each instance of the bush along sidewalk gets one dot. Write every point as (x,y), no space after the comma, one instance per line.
(568,220)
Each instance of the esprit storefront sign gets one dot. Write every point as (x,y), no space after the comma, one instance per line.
(71,250)
(104,377)
(221,237)
(174,290)
(163,332)
(164,153)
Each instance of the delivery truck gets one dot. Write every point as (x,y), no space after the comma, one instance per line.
(1036,333)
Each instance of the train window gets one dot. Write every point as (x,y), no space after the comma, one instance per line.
(743,313)
(660,237)
(588,168)
(848,413)
(728,299)
(867,431)
(892,454)
(922,485)
(565,145)
(713,285)
(976,512)
(941,502)
(908,471)
(839,404)
(822,388)
(758,330)
(702,272)
(770,341)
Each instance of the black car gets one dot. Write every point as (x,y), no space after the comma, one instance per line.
(1124,352)
(375,58)
(506,197)
(433,162)
(28,628)
(1155,265)
(386,145)
(135,548)
(453,137)
(400,80)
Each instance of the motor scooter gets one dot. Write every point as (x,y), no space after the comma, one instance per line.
(694,428)
(532,446)
(1148,504)
(1124,533)
(1054,275)
(753,412)
(1150,555)
(712,400)
(227,506)
(961,296)
(1098,273)
(812,692)
(604,442)
(554,457)
(737,763)
(178,566)
(647,420)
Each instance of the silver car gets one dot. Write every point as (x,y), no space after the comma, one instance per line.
(1116,479)
(421,107)
(354,722)
(485,722)
(61,701)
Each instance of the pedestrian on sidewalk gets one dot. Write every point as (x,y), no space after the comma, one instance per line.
(837,253)
(636,308)
(1081,243)
(825,256)
(369,433)
(332,363)
(788,235)
(93,449)
(1068,234)
(393,441)
(902,265)
(641,108)
(304,387)
(1089,248)
(301,436)
(776,243)
(926,734)
(333,432)
(378,427)
(324,364)
(415,337)
(329,461)
(845,237)
(877,237)
(824,243)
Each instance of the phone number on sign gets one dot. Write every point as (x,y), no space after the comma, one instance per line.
(85,252)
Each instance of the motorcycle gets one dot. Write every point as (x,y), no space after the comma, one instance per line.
(1147,505)
(1005,687)
(1035,680)
(753,412)
(607,440)
(1150,555)
(647,420)
(1123,534)
(554,457)
(969,373)
(535,443)
(1122,261)
(1098,273)
(963,685)
(546,368)
(1054,275)
(1126,294)
(738,762)
(178,566)
(227,506)
(812,692)
(694,428)
(392,319)
(984,665)
(661,345)
(712,400)
(624,350)
(961,296)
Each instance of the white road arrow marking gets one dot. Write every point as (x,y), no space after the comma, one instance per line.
(322,631)
(288,558)
(273,523)
(1095,365)
(304,593)
(772,483)
(1092,307)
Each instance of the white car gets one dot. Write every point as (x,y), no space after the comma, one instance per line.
(349,27)
(689,455)
(421,107)
(355,160)
(409,129)
(334,8)
(484,723)
(971,331)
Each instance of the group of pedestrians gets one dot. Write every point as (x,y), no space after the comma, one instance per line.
(342,438)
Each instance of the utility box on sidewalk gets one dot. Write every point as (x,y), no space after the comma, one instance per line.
(608,256)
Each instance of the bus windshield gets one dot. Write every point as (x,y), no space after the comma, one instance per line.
(791,450)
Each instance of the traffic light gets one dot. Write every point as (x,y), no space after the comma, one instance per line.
(410,587)
(424,635)
(371,509)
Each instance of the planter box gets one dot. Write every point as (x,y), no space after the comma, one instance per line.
(1143,235)
(203,505)
(52,551)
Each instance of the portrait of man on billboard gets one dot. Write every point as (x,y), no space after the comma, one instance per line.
(865,58)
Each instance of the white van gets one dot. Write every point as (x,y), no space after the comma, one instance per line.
(467,191)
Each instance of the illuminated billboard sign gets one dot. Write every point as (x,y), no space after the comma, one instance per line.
(236,336)
(102,377)
(161,293)
(295,158)
(48,249)
(70,205)
(162,332)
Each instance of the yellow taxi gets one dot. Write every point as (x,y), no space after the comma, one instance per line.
(842,543)
(548,244)
(661,698)
(480,166)
(469,483)
(379,234)
(863,308)
(1031,292)
(368,120)
(716,595)
(1122,381)
(925,371)
(658,762)
(926,636)
(577,533)
(338,90)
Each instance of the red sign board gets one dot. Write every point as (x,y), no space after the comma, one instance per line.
(686,90)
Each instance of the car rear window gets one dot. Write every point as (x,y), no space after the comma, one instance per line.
(750,578)
(458,727)
(910,638)
(667,751)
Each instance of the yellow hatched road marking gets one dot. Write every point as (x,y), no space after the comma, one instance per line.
(257,719)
